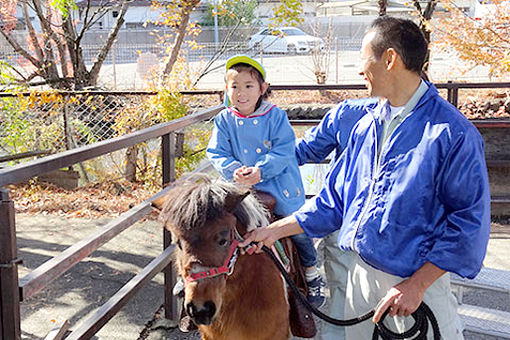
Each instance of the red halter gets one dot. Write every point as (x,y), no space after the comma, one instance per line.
(227,268)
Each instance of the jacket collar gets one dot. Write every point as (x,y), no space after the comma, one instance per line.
(264,108)
(382,105)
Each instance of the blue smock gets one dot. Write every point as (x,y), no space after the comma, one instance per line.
(265,140)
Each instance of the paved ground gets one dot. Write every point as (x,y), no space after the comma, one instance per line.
(78,293)
(342,68)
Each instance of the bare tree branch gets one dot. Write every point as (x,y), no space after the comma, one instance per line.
(31,32)
(223,48)
(94,72)
(47,26)
(17,48)
(187,7)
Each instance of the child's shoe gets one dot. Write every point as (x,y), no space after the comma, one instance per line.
(315,293)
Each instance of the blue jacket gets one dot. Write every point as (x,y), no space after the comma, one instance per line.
(333,131)
(265,140)
(425,200)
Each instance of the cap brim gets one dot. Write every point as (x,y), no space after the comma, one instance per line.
(246,60)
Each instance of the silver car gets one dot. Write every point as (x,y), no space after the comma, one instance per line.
(284,40)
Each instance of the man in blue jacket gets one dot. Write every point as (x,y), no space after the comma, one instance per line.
(409,195)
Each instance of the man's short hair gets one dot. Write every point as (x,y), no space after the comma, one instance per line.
(402,35)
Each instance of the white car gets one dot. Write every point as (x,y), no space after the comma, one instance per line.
(284,40)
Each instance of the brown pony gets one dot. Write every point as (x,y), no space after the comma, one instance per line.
(243,299)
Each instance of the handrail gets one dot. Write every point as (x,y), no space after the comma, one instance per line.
(447,85)
(50,270)
(97,320)
(25,171)
(109,93)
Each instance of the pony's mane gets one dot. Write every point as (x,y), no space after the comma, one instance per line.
(199,199)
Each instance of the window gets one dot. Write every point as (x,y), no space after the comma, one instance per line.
(115,14)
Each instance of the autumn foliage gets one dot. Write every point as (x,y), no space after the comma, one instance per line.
(481,39)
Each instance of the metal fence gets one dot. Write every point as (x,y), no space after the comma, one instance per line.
(56,122)
(127,65)
(122,53)
(52,122)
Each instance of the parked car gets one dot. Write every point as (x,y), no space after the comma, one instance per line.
(284,40)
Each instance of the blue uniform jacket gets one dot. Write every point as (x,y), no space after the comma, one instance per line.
(425,200)
(333,131)
(265,140)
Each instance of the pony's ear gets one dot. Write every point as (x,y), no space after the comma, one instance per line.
(158,203)
(233,199)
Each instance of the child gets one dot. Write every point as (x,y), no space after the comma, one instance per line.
(253,143)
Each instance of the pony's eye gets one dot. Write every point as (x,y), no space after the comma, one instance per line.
(222,242)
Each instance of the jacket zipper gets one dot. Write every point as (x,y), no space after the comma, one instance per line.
(377,163)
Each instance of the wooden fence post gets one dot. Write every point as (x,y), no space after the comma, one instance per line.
(9,288)
(453,93)
(168,168)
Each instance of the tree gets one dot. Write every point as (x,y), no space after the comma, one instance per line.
(287,12)
(425,15)
(55,53)
(231,12)
(177,14)
(483,40)
(382,4)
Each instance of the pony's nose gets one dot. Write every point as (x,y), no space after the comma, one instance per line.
(203,315)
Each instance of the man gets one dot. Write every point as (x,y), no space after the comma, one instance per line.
(409,195)
(331,135)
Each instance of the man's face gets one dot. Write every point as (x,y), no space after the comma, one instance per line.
(373,69)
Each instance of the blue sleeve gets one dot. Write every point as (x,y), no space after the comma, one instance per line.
(319,141)
(464,190)
(333,131)
(282,146)
(323,214)
(219,150)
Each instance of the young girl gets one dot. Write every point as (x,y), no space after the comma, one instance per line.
(253,143)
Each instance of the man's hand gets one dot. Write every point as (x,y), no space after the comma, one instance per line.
(402,299)
(247,175)
(269,235)
(405,298)
(261,236)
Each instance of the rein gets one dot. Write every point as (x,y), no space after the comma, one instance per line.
(422,316)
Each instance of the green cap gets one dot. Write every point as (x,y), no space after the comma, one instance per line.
(246,60)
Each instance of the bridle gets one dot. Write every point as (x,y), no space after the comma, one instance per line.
(228,266)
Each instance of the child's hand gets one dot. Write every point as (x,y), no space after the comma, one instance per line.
(239,174)
(247,175)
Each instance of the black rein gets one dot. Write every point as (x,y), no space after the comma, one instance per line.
(422,316)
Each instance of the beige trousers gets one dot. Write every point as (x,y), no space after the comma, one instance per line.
(366,286)
(336,265)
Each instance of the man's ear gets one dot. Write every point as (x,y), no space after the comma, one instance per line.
(158,203)
(391,58)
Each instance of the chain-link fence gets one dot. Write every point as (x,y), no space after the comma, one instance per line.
(55,122)
(50,122)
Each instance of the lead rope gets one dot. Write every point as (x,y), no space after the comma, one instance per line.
(422,316)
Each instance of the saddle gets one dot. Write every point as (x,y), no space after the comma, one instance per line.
(301,320)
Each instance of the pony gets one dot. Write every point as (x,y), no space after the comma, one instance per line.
(228,295)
